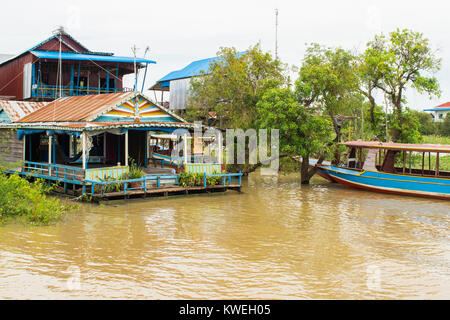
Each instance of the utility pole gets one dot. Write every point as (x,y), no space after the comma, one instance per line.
(276,34)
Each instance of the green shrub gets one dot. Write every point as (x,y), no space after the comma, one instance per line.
(187,179)
(20,198)
(135,171)
(114,187)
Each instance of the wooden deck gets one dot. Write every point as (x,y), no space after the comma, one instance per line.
(164,192)
(73,183)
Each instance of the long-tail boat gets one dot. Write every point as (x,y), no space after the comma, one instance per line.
(372,166)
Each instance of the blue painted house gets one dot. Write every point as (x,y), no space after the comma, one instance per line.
(62,66)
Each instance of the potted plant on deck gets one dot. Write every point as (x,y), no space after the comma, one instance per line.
(134,172)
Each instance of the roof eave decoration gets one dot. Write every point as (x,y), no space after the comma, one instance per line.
(136,94)
(84,126)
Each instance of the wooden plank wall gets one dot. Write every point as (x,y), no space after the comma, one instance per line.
(11,148)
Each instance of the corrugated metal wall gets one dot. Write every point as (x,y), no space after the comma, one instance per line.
(11,77)
(11,148)
(179,93)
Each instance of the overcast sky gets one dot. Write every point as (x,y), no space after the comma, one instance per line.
(179,32)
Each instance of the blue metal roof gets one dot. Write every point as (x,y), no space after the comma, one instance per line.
(193,69)
(83,56)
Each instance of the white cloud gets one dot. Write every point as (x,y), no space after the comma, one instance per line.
(179,32)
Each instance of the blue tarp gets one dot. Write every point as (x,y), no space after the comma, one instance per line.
(170,130)
(88,57)
(22,132)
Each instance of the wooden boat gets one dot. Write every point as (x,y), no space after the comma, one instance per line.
(378,172)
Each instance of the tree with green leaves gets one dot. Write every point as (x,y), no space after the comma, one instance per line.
(302,130)
(444,126)
(427,126)
(327,81)
(233,85)
(406,126)
(395,63)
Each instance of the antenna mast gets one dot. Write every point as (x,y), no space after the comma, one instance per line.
(276,34)
(134,49)
(147,49)
(59,32)
(60,67)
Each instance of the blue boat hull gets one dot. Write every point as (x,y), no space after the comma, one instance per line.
(389,183)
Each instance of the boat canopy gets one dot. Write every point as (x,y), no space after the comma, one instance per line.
(398,146)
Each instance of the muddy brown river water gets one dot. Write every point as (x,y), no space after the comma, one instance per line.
(276,240)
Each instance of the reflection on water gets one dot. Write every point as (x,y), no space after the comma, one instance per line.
(278,239)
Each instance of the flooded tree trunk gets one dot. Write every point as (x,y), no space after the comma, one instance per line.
(304,172)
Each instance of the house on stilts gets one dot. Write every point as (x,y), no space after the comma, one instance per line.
(86,143)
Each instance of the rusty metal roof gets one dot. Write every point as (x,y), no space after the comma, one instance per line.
(17,110)
(399,146)
(78,108)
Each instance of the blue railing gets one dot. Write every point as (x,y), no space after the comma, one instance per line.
(53,172)
(139,184)
(226,177)
(145,182)
(74,175)
(50,91)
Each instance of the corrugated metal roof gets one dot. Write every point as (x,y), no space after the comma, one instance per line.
(17,110)
(88,55)
(85,108)
(193,69)
(85,56)
(399,146)
(55,36)
(77,108)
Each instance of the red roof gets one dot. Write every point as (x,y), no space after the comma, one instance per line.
(444,105)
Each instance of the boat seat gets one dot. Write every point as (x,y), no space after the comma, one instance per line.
(351,160)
